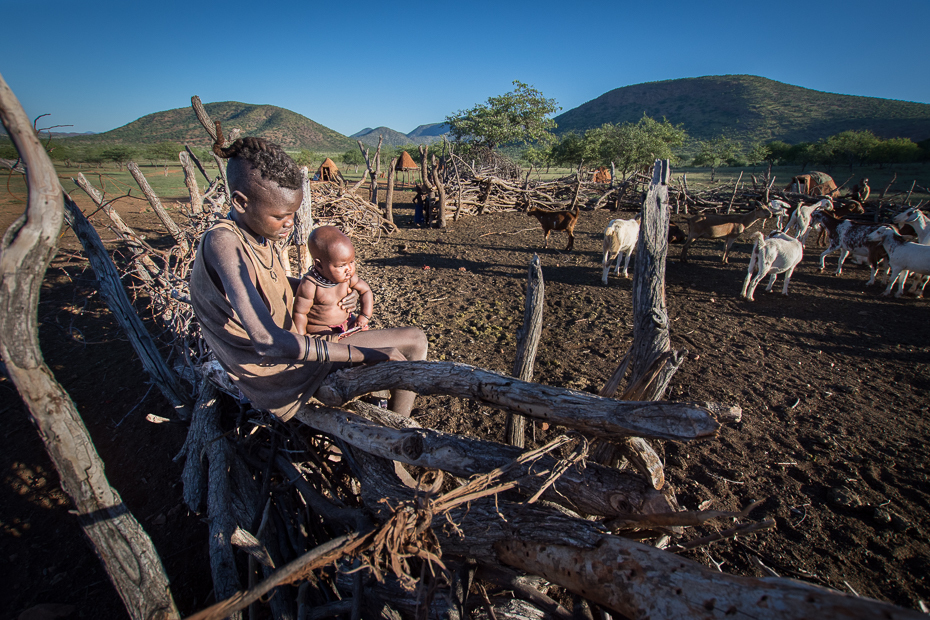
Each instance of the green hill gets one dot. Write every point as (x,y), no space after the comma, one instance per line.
(750,108)
(391,137)
(289,129)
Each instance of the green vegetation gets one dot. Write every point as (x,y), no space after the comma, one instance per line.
(521,116)
(750,109)
(628,146)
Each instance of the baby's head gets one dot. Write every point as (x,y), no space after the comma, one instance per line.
(265,185)
(333,253)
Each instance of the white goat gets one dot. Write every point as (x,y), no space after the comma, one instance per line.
(620,236)
(780,210)
(780,253)
(921,225)
(904,257)
(918,221)
(801,218)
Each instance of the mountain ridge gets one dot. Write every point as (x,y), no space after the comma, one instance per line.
(750,108)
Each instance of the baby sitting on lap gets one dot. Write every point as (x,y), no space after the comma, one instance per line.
(316,304)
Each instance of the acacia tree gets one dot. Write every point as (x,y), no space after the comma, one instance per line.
(352,158)
(636,145)
(521,116)
(714,153)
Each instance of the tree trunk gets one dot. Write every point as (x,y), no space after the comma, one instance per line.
(389,198)
(527,343)
(424,177)
(26,250)
(441,188)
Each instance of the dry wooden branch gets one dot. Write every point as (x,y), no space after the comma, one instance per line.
(150,195)
(590,488)
(527,342)
(641,581)
(26,249)
(585,412)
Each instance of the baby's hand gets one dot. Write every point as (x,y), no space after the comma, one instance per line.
(361,321)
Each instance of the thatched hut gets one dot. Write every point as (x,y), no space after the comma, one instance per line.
(329,172)
(813,184)
(404,165)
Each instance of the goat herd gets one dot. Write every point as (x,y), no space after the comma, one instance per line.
(782,250)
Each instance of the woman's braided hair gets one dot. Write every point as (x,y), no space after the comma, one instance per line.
(266,157)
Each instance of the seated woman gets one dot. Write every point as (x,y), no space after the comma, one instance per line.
(243,298)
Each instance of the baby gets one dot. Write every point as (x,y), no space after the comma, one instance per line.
(316,305)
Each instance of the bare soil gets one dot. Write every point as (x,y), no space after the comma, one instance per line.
(833,382)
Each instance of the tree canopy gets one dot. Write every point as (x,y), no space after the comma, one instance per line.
(522,116)
(628,146)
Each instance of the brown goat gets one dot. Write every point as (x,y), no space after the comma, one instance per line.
(556,220)
(727,227)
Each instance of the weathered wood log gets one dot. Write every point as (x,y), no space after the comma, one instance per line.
(585,412)
(114,294)
(194,475)
(441,189)
(389,196)
(527,343)
(153,199)
(424,175)
(190,179)
(26,250)
(303,225)
(591,489)
(637,580)
(641,581)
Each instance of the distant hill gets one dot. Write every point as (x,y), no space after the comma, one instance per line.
(430,133)
(424,134)
(750,108)
(391,137)
(289,129)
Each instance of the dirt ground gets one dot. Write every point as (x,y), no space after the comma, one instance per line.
(833,382)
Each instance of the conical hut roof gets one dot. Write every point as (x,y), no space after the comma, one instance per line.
(405,162)
(329,165)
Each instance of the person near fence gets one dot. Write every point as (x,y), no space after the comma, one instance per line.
(243,298)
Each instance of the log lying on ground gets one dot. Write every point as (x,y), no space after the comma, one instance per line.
(581,411)
(593,489)
(640,581)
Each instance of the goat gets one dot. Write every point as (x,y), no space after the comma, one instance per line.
(780,253)
(801,218)
(903,256)
(556,220)
(676,234)
(780,210)
(918,221)
(620,237)
(727,227)
(920,224)
(844,209)
(848,237)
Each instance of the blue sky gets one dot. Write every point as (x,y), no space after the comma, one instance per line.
(350,65)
